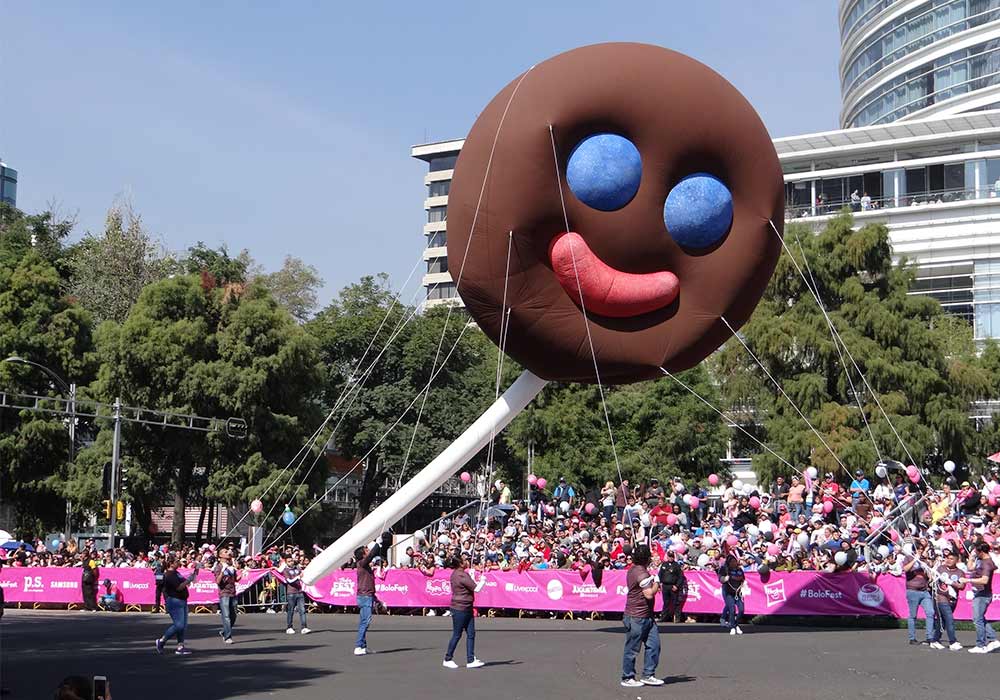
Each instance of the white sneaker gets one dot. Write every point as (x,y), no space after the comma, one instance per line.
(475,663)
(732,632)
(271,612)
(651,680)
(305,630)
(289,631)
(993,646)
(446,613)
(360,651)
(450,664)
(631,683)
(937,645)
(229,641)
(978,650)
(431,613)
(955,647)
(739,630)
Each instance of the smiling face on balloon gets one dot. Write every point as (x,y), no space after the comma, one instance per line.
(631,182)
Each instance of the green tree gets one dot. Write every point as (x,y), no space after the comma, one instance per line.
(217,265)
(191,347)
(374,400)
(294,287)
(660,430)
(108,272)
(923,372)
(37,323)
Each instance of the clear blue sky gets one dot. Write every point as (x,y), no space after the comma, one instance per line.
(286,129)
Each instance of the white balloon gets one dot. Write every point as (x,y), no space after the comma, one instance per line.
(811,471)
(881,471)
(883,550)
(678,488)
(747,489)
(419,536)
(803,540)
(908,549)
(840,558)
(738,485)
(766,526)
(752,530)
(687,499)
(703,560)
(564,506)
(708,542)
(949,466)
(644,520)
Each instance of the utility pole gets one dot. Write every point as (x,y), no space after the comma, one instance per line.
(72,456)
(115,454)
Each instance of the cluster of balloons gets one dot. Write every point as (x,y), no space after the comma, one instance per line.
(538,481)
(913,474)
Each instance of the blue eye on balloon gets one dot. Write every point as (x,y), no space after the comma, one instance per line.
(604,171)
(698,211)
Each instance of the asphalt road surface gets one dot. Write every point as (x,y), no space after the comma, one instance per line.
(531,659)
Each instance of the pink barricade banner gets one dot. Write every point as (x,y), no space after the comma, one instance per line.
(794,593)
(138,586)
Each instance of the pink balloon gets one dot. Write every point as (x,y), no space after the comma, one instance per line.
(532,479)
(695,502)
(911,470)
(541,483)
(876,523)
(754,502)
(713,479)
(996,490)
(680,548)
(465,476)
(256,506)
(590,508)
(893,535)
(732,541)
(828,507)
(551,510)
(991,499)
(671,519)
(773,549)
(915,478)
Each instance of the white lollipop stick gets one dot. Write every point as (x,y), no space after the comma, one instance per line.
(454,457)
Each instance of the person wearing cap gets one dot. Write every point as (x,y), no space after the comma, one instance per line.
(672,585)
(858,488)
(639,622)
(563,492)
(112,598)
(981,567)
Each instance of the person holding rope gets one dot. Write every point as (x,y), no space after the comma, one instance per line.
(366,588)
(463,596)
(981,567)
(732,577)
(639,621)
(226,576)
(175,591)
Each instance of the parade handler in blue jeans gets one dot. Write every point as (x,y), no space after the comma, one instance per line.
(366,588)
(640,622)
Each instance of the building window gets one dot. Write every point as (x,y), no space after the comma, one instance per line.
(436,214)
(443,163)
(439,188)
(444,290)
(437,239)
(435,265)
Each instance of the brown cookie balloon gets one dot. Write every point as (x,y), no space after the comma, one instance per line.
(632,182)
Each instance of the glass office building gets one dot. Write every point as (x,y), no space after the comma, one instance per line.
(8,185)
(904,60)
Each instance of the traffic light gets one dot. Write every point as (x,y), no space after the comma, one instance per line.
(120,510)
(107,510)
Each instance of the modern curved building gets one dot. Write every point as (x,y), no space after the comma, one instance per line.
(903,60)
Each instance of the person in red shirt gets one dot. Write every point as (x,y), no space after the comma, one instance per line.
(658,515)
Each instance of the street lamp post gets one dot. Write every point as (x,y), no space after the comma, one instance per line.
(69,391)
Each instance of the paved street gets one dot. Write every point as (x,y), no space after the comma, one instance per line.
(527,659)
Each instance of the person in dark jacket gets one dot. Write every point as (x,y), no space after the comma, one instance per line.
(366,588)
(672,585)
(88,583)
(732,578)
(175,591)
(463,598)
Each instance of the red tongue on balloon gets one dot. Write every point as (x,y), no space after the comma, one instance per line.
(607,291)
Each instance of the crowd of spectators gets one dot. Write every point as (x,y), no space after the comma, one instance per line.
(829,526)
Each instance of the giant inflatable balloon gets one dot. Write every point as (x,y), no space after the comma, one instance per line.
(619,204)
(670,182)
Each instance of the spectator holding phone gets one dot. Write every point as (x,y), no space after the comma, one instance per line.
(175,591)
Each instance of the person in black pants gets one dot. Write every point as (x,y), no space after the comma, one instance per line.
(88,583)
(158,578)
(672,585)
(463,598)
